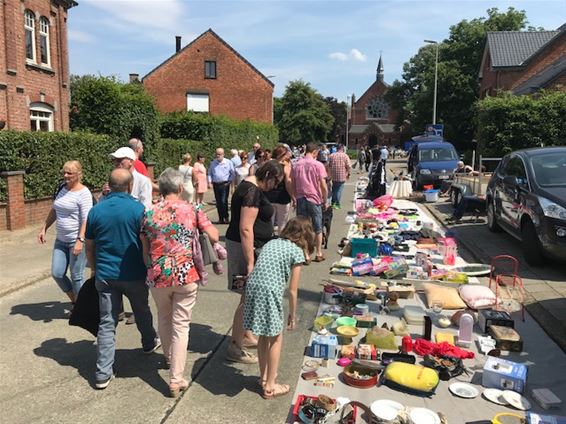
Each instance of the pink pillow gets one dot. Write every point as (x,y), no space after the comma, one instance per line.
(477,296)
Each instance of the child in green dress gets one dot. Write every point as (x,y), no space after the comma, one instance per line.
(279,262)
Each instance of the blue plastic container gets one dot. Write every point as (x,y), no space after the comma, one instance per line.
(364,246)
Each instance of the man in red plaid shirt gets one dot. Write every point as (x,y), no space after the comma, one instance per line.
(340,166)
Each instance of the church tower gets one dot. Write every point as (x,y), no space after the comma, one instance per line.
(379,74)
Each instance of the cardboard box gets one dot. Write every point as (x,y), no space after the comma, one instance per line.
(487,317)
(506,338)
(503,374)
(324,347)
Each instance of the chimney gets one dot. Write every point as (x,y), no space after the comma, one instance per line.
(177,43)
(134,78)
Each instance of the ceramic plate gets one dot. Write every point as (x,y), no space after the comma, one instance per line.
(424,416)
(464,390)
(516,400)
(386,409)
(495,396)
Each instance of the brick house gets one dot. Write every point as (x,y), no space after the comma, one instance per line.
(208,75)
(372,120)
(523,61)
(34,65)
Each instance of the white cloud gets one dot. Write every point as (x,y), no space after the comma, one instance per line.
(80,36)
(354,55)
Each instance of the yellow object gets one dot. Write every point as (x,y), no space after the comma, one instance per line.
(347,331)
(322,321)
(447,296)
(455,277)
(412,377)
(445,337)
(508,418)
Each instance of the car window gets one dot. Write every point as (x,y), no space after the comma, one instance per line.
(550,169)
(516,168)
(438,153)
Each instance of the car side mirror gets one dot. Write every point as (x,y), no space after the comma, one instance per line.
(510,180)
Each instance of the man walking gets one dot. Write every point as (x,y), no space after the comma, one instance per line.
(384,154)
(221,173)
(309,186)
(114,251)
(340,168)
(251,154)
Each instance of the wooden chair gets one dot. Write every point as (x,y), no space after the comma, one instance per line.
(505,272)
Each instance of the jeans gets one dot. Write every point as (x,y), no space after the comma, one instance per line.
(63,259)
(221,191)
(110,301)
(174,312)
(312,211)
(337,188)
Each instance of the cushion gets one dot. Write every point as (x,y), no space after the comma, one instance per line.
(411,378)
(448,296)
(477,296)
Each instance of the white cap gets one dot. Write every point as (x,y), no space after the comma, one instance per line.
(124,152)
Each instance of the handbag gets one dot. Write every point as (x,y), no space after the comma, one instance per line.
(208,252)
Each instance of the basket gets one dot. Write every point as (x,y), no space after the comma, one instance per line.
(363,246)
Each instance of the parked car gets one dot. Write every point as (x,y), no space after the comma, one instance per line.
(526,197)
(432,162)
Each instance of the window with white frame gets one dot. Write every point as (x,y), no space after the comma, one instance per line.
(41,117)
(197,102)
(44,41)
(29,27)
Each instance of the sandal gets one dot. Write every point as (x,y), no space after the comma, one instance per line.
(176,389)
(278,390)
(252,345)
(319,258)
(308,261)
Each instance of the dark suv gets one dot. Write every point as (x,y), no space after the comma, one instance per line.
(526,196)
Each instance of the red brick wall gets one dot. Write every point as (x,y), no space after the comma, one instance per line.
(22,83)
(359,108)
(238,91)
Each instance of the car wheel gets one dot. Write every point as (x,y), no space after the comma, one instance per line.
(492,218)
(532,248)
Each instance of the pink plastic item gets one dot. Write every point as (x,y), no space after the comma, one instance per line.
(383,202)
(344,362)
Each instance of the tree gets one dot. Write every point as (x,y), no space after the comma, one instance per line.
(304,116)
(459,61)
(338,110)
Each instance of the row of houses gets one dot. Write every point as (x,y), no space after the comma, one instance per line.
(208,75)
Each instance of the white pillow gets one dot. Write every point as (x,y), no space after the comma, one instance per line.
(477,296)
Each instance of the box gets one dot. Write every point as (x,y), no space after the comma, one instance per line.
(546,398)
(367,351)
(487,317)
(534,418)
(324,347)
(364,246)
(503,374)
(365,321)
(506,338)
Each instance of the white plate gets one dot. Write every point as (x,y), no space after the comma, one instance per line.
(516,400)
(424,416)
(386,409)
(495,396)
(464,390)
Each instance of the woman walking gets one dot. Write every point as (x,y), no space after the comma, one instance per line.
(259,160)
(243,170)
(279,262)
(249,229)
(70,209)
(168,233)
(187,170)
(282,195)
(200,180)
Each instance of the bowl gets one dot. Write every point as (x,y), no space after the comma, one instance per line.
(347,331)
(359,376)
(322,321)
(346,321)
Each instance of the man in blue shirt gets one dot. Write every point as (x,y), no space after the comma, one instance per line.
(114,251)
(221,173)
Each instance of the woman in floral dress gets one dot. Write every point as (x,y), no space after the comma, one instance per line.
(168,232)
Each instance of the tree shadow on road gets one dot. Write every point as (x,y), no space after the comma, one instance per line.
(43,311)
(129,363)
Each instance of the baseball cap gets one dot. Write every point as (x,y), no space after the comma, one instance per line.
(124,152)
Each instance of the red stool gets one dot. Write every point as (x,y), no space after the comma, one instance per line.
(505,272)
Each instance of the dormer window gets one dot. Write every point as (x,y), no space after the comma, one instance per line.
(29,27)
(44,41)
(210,69)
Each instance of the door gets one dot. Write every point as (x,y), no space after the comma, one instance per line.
(514,181)
(372,141)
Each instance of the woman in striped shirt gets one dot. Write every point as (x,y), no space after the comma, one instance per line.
(70,209)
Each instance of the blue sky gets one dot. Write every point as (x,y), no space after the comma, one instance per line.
(332,44)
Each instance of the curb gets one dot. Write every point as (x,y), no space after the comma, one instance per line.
(553,327)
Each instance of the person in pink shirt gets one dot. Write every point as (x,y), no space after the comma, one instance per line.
(311,192)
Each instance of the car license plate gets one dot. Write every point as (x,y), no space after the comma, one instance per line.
(443,177)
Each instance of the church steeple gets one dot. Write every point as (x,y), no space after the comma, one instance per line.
(379,73)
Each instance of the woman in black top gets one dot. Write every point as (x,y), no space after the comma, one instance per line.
(282,195)
(249,229)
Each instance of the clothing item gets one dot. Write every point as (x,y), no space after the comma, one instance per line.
(63,260)
(279,194)
(110,302)
(199,172)
(221,171)
(263,307)
(242,172)
(140,167)
(237,264)
(114,225)
(221,193)
(169,227)
(337,189)
(248,194)
(384,154)
(281,215)
(142,189)
(312,211)
(307,174)
(71,209)
(339,164)
(236,160)
(174,312)
(188,189)
(377,181)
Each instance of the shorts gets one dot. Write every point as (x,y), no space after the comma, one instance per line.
(312,211)
(237,264)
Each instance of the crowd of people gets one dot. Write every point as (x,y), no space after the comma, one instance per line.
(142,237)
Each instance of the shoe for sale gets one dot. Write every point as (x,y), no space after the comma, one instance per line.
(235,354)
(103,384)
(154,348)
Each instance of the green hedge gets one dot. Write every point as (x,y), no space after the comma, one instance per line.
(221,131)
(508,122)
(41,155)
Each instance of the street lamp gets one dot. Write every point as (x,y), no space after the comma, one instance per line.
(347,113)
(435,80)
